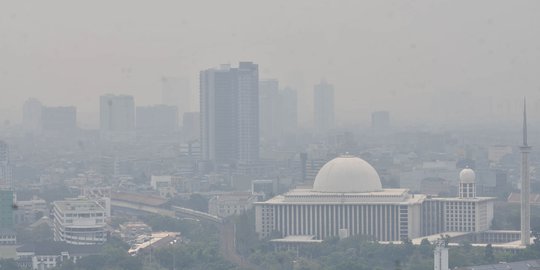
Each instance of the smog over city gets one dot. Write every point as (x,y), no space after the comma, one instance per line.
(326,135)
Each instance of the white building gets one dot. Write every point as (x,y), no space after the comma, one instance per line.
(347,196)
(165,184)
(465,213)
(79,222)
(231,204)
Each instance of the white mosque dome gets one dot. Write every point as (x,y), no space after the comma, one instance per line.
(347,174)
(467,175)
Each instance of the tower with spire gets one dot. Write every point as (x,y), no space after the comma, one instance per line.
(525,184)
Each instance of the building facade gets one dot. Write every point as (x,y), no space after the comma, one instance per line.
(347,196)
(117,118)
(79,222)
(229,103)
(323,108)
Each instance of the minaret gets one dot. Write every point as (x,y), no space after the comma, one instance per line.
(525,184)
(467,185)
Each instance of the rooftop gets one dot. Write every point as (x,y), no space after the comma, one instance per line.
(78,205)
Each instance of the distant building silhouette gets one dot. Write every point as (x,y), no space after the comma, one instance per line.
(176,91)
(59,118)
(380,120)
(191,126)
(157,118)
(117,118)
(230,113)
(269,101)
(32,115)
(323,107)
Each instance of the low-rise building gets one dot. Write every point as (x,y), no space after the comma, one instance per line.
(231,204)
(79,222)
(46,255)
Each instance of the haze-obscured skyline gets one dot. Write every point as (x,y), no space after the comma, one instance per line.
(419,59)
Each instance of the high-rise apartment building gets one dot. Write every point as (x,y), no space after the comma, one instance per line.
(278,110)
(117,118)
(323,107)
(229,106)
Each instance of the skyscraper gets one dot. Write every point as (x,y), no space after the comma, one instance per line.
(323,107)
(117,118)
(525,185)
(269,102)
(230,113)
(288,111)
(32,115)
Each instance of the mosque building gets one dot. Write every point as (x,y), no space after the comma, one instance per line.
(347,199)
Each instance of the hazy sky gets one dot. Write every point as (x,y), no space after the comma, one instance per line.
(420,59)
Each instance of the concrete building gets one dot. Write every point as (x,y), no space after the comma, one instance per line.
(48,255)
(347,197)
(7,230)
(465,213)
(323,108)
(288,112)
(440,256)
(269,103)
(231,204)
(79,222)
(117,118)
(6,172)
(59,118)
(32,115)
(230,113)
(191,126)
(165,184)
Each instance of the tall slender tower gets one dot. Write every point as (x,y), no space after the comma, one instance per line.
(525,184)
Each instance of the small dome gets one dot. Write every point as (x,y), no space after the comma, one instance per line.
(347,174)
(467,175)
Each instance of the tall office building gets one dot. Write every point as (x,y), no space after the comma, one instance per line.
(176,91)
(32,115)
(288,111)
(269,102)
(6,181)
(323,107)
(117,118)
(230,113)
(59,118)
(157,118)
